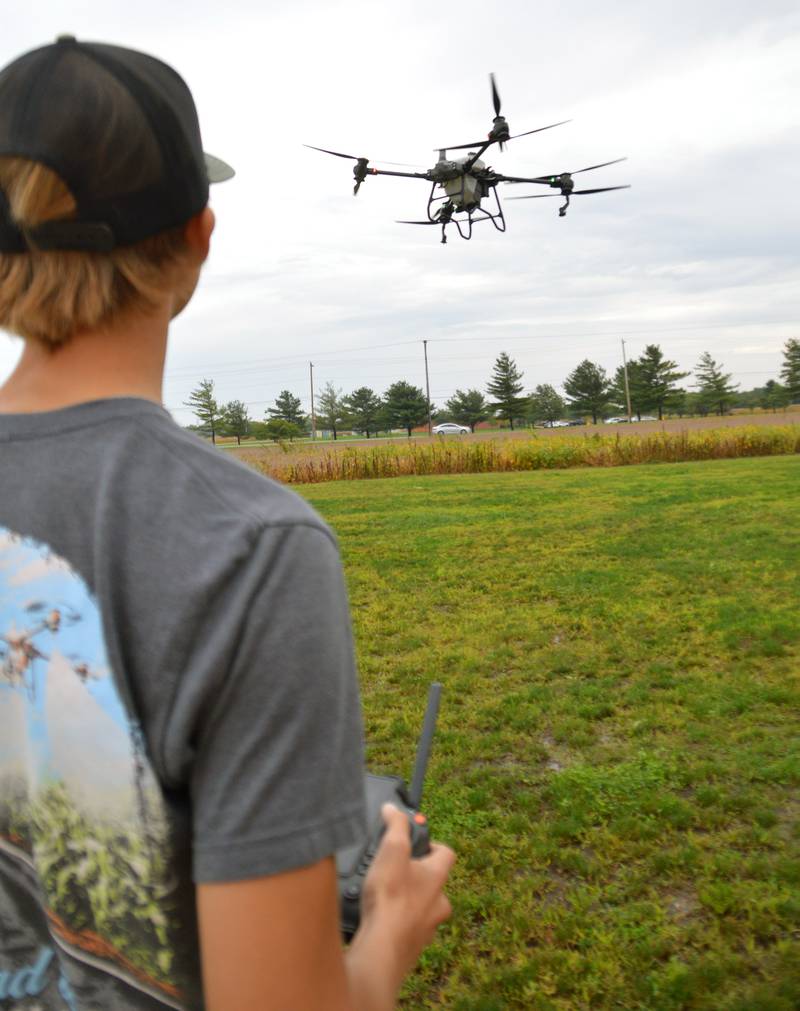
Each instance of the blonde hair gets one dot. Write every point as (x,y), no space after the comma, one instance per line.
(48,296)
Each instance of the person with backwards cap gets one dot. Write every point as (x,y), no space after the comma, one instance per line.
(180,732)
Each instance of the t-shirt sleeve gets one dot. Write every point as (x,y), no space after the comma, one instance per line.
(277,777)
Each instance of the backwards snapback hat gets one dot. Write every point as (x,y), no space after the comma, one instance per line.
(120,128)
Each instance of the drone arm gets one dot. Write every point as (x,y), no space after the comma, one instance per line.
(407,175)
(468,164)
(541,180)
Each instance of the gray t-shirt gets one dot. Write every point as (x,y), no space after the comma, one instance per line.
(178,699)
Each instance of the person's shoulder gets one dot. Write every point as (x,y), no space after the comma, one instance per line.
(189,474)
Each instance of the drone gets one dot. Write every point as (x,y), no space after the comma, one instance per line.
(461,184)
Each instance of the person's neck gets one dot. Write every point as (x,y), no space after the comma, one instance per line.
(124,360)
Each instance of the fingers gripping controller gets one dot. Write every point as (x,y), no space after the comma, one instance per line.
(353,862)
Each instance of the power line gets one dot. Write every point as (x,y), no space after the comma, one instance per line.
(301,358)
(628,333)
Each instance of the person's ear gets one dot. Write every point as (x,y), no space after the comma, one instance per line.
(198,233)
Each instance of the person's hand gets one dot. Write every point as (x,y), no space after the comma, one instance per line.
(403,899)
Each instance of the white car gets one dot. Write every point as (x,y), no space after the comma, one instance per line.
(450,428)
(616,421)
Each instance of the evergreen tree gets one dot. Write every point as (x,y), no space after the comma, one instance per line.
(588,389)
(790,373)
(617,395)
(774,396)
(363,407)
(716,390)
(205,408)
(656,378)
(287,408)
(504,388)
(405,406)
(468,407)
(546,404)
(331,409)
(236,420)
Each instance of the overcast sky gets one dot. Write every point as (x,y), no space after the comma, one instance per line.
(700,254)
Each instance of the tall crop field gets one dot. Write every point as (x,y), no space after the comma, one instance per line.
(466,456)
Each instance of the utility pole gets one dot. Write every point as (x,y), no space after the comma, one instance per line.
(313,415)
(427,387)
(627,388)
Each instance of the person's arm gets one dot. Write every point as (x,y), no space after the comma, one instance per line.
(273,943)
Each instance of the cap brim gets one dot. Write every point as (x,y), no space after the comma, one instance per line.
(217,169)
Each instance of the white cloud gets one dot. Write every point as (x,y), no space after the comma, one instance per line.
(701,97)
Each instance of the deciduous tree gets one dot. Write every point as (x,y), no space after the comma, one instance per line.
(331,409)
(774,396)
(504,388)
(236,420)
(278,429)
(468,407)
(546,404)
(588,389)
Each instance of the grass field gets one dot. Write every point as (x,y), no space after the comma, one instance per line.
(618,759)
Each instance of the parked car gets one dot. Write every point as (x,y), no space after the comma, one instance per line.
(450,428)
(576,421)
(616,421)
(555,424)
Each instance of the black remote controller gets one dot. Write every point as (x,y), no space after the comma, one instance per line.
(353,862)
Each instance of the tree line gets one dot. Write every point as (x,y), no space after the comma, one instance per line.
(652,388)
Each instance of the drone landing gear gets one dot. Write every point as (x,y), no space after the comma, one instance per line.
(445,214)
(562,210)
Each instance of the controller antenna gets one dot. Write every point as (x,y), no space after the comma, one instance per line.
(424,746)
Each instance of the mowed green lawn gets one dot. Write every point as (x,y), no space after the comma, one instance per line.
(618,758)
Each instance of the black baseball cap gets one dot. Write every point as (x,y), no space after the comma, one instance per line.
(120,128)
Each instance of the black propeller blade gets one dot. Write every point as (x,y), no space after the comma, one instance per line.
(419,222)
(556,176)
(480,143)
(603,189)
(359,170)
(539,129)
(603,164)
(542,196)
(495,95)
(338,154)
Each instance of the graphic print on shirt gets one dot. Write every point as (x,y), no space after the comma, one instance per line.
(87,898)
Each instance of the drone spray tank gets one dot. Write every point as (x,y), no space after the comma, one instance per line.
(465,190)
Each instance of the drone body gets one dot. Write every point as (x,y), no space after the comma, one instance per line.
(460,185)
